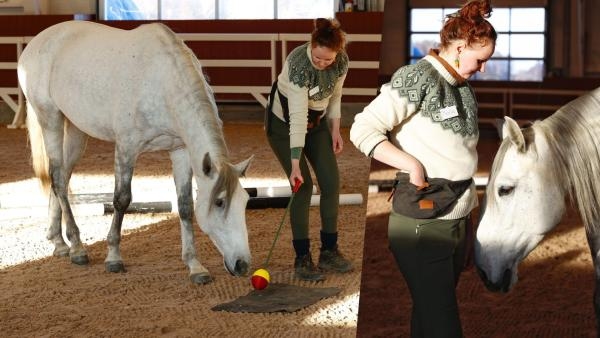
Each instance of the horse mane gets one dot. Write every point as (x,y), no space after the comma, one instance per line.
(573,135)
(201,97)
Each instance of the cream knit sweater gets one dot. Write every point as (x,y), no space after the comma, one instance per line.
(309,88)
(429,112)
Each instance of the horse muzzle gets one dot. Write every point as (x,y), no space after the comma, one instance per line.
(502,285)
(240,269)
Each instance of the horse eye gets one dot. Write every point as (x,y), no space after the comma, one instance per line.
(219,202)
(503,191)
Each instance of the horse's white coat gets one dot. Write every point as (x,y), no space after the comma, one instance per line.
(513,225)
(534,171)
(144,90)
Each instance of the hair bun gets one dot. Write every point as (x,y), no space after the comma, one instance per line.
(476,10)
(328,33)
(328,24)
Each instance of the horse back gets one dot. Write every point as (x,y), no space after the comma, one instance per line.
(103,79)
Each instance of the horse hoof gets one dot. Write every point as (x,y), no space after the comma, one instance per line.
(80,260)
(201,278)
(64,252)
(114,267)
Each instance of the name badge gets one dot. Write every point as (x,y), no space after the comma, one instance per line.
(313,91)
(448,112)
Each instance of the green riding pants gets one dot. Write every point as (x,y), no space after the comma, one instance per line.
(318,150)
(431,255)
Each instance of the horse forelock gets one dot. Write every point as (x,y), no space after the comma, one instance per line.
(496,165)
(226,183)
(574,141)
(505,145)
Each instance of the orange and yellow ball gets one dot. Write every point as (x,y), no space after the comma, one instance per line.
(260,279)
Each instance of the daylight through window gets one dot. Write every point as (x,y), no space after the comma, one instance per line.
(520,48)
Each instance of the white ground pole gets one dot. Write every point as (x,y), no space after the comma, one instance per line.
(15,205)
(24,211)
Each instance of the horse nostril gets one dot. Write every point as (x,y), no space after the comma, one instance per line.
(506,278)
(482,274)
(241,267)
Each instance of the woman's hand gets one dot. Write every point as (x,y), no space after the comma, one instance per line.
(417,176)
(296,174)
(338,142)
(336,137)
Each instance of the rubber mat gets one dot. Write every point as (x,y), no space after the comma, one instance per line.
(277,297)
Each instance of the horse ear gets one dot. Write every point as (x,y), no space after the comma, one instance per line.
(499,124)
(512,130)
(241,167)
(207,165)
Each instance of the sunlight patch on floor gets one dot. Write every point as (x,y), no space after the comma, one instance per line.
(24,209)
(342,314)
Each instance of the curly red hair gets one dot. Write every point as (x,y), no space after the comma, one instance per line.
(327,33)
(469,24)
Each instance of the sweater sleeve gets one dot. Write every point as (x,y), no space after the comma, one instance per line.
(384,113)
(334,109)
(297,103)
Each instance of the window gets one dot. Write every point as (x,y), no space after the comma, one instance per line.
(255,9)
(213,9)
(520,48)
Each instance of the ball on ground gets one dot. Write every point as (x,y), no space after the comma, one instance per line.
(260,279)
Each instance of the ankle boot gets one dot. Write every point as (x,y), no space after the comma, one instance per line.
(305,269)
(333,260)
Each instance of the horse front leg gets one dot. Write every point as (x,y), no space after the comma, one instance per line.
(182,174)
(594,244)
(122,198)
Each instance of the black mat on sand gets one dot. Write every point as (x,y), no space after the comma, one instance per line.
(277,297)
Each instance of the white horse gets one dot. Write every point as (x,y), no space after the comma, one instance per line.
(534,171)
(144,90)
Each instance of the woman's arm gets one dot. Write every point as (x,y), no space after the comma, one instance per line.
(391,155)
(336,137)
(370,129)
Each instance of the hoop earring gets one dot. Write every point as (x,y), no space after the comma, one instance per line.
(457,62)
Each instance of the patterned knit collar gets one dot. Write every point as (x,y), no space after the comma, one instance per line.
(309,54)
(444,68)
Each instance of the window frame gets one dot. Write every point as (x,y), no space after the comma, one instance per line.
(444,5)
(101,5)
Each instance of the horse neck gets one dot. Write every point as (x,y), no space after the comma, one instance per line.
(202,136)
(574,145)
(193,107)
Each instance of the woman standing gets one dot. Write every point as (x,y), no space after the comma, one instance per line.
(429,112)
(303,124)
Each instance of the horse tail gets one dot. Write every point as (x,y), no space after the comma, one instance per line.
(39,158)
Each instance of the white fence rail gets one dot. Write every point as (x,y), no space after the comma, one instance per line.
(6,94)
(506,104)
(258,92)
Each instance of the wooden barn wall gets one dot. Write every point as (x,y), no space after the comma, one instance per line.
(573,50)
(358,23)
